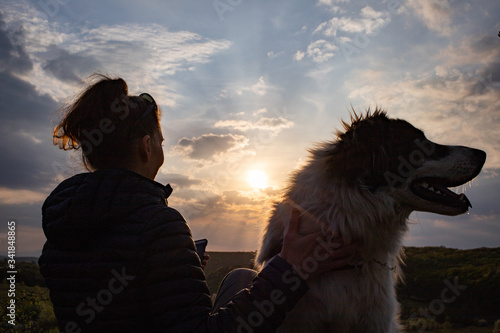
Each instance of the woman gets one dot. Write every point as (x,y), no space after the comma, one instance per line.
(119,259)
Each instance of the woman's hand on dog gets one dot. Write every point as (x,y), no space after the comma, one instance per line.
(313,254)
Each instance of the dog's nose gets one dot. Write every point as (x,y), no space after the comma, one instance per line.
(476,156)
(480,156)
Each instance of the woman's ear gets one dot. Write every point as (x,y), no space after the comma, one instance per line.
(145,149)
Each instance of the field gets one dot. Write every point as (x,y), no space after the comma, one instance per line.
(221,263)
(466,330)
(428,271)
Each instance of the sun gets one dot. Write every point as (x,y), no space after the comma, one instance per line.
(257,179)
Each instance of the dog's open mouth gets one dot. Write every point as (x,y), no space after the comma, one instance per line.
(436,190)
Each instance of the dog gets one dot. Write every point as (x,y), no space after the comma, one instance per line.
(362,186)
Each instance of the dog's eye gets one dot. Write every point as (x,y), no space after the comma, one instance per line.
(439,151)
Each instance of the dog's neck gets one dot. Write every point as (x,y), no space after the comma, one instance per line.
(354,214)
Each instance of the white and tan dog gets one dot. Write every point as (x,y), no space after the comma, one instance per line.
(362,187)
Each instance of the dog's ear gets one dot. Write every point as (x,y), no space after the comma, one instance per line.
(359,153)
(358,164)
(370,146)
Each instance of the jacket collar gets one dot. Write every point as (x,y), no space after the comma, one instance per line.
(167,189)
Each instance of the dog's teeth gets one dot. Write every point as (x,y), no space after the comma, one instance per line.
(438,192)
(431,189)
(425,185)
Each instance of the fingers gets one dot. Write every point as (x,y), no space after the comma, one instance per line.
(316,252)
(293,227)
(337,264)
(343,257)
(204,261)
(346,250)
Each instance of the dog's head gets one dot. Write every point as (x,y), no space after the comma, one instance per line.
(387,155)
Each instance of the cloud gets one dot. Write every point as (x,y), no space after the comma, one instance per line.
(435,14)
(457,104)
(209,147)
(451,93)
(260,88)
(272,192)
(181,181)
(369,23)
(269,124)
(39,31)
(321,50)
(339,32)
(147,55)
(24,121)
(16,197)
(69,67)
(231,220)
(235,198)
(13,56)
(449,108)
(333,5)
(465,231)
(26,132)
(28,238)
(195,203)
(472,50)
(164,52)
(274,124)
(228,229)
(299,55)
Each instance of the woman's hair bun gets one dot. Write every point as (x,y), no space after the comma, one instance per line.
(99,121)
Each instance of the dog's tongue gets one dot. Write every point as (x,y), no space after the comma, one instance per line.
(444,190)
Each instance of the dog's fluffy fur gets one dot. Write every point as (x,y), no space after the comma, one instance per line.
(363,186)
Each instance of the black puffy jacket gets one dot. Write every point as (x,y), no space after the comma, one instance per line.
(118,259)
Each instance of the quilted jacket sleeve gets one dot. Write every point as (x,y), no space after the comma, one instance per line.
(176,296)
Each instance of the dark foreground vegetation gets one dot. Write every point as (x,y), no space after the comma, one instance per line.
(445,290)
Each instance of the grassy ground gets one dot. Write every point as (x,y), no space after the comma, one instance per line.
(34,310)
(486,329)
(221,263)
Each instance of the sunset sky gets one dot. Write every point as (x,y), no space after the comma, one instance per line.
(246,87)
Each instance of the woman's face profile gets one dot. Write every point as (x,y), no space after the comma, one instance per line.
(157,151)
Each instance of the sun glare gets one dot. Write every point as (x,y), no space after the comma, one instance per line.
(257,179)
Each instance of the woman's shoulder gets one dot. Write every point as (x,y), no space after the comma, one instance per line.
(167,218)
